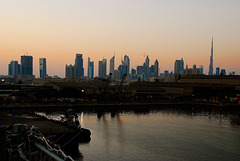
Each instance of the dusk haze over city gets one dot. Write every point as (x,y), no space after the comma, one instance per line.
(120,80)
(163,30)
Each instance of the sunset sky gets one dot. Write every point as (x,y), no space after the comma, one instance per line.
(162,29)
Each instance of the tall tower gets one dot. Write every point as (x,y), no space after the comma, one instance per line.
(102,68)
(42,67)
(26,68)
(126,63)
(179,67)
(156,68)
(79,70)
(14,69)
(147,67)
(90,68)
(211,61)
(112,64)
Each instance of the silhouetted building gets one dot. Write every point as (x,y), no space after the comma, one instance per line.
(179,67)
(14,69)
(211,61)
(102,68)
(26,67)
(156,68)
(78,70)
(223,72)
(112,62)
(217,71)
(70,71)
(78,67)
(139,70)
(134,74)
(42,67)
(201,69)
(147,69)
(126,64)
(90,68)
(152,68)
(194,66)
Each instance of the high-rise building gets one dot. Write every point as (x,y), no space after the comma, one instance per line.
(126,63)
(152,68)
(78,67)
(211,61)
(147,70)
(42,67)
(139,70)
(90,68)
(194,66)
(26,67)
(223,72)
(179,67)
(14,69)
(112,63)
(201,69)
(102,68)
(217,71)
(70,71)
(156,68)
(133,72)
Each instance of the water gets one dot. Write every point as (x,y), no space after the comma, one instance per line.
(160,135)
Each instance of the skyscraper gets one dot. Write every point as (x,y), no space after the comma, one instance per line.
(70,71)
(147,70)
(76,71)
(102,68)
(78,67)
(126,63)
(179,67)
(223,72)
(217,71)
(211,61)
(90,68)
(201,69)
(156,70)
(26,68)
(42,67)
(112,62)
(194,66)
(14,69)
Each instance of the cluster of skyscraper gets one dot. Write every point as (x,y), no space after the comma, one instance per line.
(25,69)
(124,68)
(76,70)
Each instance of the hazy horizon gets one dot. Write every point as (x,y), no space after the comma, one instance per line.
(163,30)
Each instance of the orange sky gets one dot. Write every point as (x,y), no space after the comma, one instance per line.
(164,30)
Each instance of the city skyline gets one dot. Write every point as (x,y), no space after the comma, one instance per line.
(71,71)
(166,31)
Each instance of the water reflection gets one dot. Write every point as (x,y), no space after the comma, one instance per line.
(159,134)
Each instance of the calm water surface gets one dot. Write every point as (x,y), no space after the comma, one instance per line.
(160,135)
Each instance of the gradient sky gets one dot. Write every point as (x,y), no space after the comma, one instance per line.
(163,29)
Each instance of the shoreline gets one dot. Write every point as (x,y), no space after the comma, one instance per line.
(119,106)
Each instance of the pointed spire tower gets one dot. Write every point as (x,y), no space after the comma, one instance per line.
(211,61)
